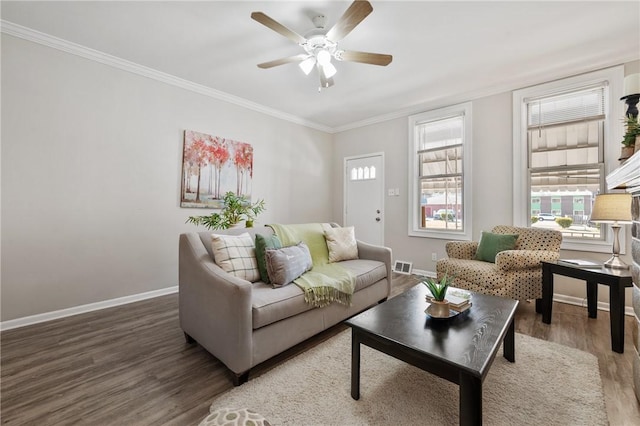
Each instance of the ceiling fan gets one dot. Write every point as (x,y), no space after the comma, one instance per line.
(320,46)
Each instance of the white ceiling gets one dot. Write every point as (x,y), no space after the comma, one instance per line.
(443,52)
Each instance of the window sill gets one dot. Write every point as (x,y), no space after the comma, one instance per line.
(441,235)
(593,247)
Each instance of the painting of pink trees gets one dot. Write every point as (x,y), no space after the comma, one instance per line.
(212,166)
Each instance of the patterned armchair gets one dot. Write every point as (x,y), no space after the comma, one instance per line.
(517,274)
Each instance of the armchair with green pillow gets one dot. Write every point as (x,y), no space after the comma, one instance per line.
(506,262)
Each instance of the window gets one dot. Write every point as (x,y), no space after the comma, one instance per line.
(366,173)
(439,142)
(565,139)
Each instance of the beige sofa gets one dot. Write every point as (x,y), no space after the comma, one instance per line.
(242,323)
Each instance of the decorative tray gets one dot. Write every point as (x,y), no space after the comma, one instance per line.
(452,314)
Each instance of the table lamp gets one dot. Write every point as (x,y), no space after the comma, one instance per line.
(631,92)
(616,210)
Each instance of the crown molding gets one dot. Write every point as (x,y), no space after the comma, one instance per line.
(503,87)
(29,34)
(25,33)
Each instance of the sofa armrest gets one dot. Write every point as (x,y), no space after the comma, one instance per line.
(461,249)
(379,253)
(215,307)
(511,260)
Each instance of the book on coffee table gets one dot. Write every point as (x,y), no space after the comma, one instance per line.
(580,263)
(459,299)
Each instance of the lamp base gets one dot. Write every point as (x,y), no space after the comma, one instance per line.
(615,263)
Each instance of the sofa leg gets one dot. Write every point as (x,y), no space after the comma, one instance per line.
(539,306)
(189,339)
(240,378)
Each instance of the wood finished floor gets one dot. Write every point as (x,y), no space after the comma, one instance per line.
(130,365)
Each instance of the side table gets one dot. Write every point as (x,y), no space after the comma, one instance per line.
(616,279)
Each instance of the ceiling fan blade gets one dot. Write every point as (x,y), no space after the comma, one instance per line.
(364,57)
(277,27)
(349,19)
(297,58)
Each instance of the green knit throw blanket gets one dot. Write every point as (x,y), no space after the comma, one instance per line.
(325,282)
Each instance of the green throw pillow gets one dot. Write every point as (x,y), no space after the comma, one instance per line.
(492,244)
(262,244)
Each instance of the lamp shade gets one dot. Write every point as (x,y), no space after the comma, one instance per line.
(612,208)
(631,85)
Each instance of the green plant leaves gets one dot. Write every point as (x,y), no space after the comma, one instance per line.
(235,209)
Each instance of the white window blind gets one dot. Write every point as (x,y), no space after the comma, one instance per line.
(580,105)
(440,141)
(566,134)
(565,144)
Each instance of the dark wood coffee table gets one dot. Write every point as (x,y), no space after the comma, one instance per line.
(460,350)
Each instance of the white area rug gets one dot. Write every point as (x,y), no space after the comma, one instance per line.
(549,384)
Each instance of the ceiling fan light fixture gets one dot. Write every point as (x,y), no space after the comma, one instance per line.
(307,65)
(328,70)
(324,57)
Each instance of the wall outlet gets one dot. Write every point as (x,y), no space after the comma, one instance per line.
(434,256)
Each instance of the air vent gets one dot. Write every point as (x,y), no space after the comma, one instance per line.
(402,267)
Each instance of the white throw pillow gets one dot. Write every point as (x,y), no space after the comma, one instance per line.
(341,243)
(236,255)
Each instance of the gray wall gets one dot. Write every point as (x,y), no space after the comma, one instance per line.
(492,187)
(90,167)
(91,163)
(492,175)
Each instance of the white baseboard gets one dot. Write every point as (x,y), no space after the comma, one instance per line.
(602,306)
(62,313)
(423,273)
(557,297)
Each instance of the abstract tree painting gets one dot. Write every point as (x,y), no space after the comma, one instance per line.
(212,166)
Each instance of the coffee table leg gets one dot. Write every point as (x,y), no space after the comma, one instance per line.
(509,343)
(355,366)
(470,400)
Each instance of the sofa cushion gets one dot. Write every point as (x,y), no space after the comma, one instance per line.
(492,244)
(341,243)
(367,272)
(236,255)
(270,305)
(264,242)
(287,263)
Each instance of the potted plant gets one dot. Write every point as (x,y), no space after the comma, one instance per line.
(252,213)
(236,208)
(439,306)
(629,141)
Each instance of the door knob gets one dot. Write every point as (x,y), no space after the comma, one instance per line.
(377,219)
(378,211)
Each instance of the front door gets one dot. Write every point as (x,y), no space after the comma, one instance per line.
(364,197)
